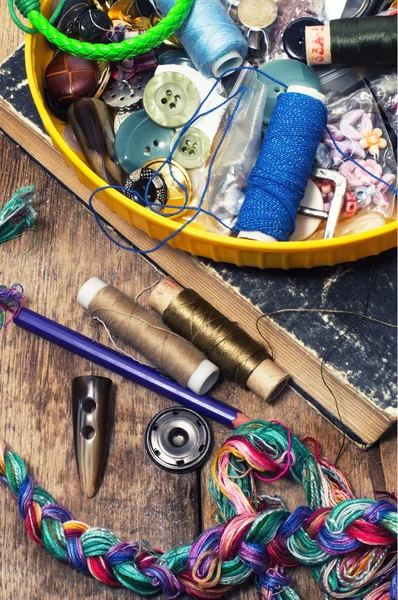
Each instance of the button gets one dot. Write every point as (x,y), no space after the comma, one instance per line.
(178,440)
(175,194)
(257,14)
(144,7)
(66,8)
(94,25)
(69,78)
(104,68)
(193,148)
(122,115)
(138,182)
(175,57)
(123,10)
(294,37)
(290,72)
(170,99)
(139,139)
(121,94)
(59,109)
(70,20)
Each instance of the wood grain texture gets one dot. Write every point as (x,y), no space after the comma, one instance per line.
(136,500)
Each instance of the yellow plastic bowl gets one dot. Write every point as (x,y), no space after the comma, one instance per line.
(193,239)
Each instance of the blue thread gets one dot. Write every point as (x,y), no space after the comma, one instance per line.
(238,94)
(208,35)
(279,178)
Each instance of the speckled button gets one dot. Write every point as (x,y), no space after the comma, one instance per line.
(138,182)
(124,95)
(139,139)
(193,148)
(175,193)
(170,99)
(294,37)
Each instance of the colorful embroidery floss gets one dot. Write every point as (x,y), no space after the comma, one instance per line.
(18,214)
(348,543)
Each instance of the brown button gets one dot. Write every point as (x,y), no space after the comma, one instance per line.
(69,78)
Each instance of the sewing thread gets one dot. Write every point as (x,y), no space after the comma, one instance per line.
(210,37)
(148,335)
(349,544)
(279,178)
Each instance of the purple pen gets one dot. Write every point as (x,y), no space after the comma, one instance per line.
(129,368)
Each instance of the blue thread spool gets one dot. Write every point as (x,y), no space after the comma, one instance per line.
(279,178)
(210,37)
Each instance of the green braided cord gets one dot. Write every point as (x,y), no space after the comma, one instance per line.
(108,52)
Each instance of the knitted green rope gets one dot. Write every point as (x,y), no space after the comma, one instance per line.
(107,52)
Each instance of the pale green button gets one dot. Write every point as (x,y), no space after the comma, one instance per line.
(170,99)
(193,148)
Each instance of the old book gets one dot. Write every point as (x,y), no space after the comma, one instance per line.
(340,362)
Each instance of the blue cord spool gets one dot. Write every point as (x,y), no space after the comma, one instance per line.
(278,180)
(210,37)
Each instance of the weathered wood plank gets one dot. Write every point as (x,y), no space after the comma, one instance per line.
(136,499)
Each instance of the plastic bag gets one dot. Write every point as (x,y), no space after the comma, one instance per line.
(358,128)
(237,155)
(384,87)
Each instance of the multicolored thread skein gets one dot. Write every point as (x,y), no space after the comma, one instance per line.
(18,214)
(349,544)
(240,358)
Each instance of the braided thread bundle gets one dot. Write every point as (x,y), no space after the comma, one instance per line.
(348,543)
(107,52)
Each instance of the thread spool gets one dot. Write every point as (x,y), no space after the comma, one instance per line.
(147,334)
(239,357)
(210,37)
(353,42)
(278,181)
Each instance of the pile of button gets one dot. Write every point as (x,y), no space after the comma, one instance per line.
(125,117)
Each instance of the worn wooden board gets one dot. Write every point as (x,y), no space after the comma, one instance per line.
(361,367)
(136,500)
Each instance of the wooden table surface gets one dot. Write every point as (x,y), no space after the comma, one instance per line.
(136,500)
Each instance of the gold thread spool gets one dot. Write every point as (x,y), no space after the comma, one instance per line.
(147,334)
(239,357)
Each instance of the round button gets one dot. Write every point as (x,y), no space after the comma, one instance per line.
(138,182)
(294,37)
(290,72)
(139,139)
(58,109)
(175,57)
(70,20)
(170,99)
(193,148)
(94,25)
(173,175)
(257,14)
(178,440)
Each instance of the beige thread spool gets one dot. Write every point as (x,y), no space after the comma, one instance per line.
(257,371)
(147,334)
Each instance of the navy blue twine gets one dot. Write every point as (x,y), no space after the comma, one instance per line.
(153,206)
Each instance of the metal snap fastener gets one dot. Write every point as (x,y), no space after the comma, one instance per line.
(294,37)
(125,94)
(138,182)
(174,176)
(178,440)
(170,99)
(193,148)
(139,139)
